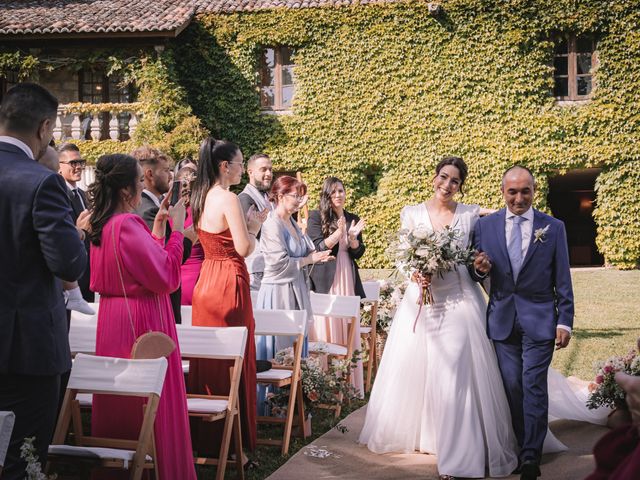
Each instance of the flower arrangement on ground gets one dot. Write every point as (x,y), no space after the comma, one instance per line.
(391,293)
(319,386)
(604,391)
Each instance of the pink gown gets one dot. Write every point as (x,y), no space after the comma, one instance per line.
(150,271)
(191,268)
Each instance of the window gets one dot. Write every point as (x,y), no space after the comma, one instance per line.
(9,80)
(276,78)
(96,87)
(573,63)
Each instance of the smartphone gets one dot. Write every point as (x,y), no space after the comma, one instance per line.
(175,192)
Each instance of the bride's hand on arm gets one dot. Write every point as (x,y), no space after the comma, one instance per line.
(482,263)
(486,211)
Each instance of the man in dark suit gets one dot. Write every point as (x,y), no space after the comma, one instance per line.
(156,169)
(71,167)
(530,305)
(38,242)
(255,194)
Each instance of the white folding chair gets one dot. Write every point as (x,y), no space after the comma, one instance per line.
(254,297)
(7,420)
(82,332)
(286,323)
(370,332)
(110,376)
(336,306)
(186,313)
(217,343)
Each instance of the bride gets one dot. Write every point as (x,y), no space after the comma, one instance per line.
(438,389)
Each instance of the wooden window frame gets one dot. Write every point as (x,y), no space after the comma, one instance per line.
(277,80)
(572,70)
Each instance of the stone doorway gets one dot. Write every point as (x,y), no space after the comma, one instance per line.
(572,198)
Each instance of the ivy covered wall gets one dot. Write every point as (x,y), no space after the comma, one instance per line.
(384,91)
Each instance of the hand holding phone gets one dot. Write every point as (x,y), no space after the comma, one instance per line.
(175,192)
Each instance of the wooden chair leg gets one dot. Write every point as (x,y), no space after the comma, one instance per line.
(237,436)
(224,447)
(293,393)
(304,428)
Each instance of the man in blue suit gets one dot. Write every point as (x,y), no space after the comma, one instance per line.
(38,242)
(530,305)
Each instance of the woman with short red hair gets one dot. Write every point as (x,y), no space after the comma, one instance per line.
(287,251)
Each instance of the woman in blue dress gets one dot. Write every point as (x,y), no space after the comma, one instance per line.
(287,252)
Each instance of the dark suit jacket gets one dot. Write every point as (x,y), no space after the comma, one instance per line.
(148,211)
(542,296)
(38,242)
(322,274)
(246,201)
(83,281)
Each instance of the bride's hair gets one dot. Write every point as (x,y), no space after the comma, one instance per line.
(328,218)
(457,162)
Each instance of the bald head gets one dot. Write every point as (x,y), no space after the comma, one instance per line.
(518,188)
(50,159)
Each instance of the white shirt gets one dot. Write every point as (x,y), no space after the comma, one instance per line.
(17,143)
(152,196)
(526,228)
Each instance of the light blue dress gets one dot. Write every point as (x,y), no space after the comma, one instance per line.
(284,285)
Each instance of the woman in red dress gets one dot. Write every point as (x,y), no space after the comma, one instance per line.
(221,296)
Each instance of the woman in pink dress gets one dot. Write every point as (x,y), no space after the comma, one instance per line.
(134,272)
(331,227)
(190,270)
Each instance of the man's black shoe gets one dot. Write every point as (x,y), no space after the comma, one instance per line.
(529,470)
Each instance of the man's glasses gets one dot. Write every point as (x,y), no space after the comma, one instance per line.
(76,163)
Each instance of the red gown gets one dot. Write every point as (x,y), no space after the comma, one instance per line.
(617,455)
(221,298)
(130,260)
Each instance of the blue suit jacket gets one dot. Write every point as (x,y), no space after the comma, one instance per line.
(542,297)
(38,242)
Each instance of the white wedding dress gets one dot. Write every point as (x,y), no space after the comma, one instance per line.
(439,390)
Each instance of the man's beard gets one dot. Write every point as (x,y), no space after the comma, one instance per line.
(263,187)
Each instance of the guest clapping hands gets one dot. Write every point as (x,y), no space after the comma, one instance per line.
(332,227)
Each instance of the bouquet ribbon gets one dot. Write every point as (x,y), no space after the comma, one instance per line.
(425,297)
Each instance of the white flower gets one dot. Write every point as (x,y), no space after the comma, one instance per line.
(540,235)
(422,251)
(420,232)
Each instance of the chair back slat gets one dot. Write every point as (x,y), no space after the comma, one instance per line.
(82,332)
(280,322)
(212,342)
(117,375)
(335,305)
(186,313)
(371,291)
(254,297)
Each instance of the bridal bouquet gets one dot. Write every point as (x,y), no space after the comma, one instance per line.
(429,253)
(604,391)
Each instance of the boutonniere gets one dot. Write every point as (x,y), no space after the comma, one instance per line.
(540,235)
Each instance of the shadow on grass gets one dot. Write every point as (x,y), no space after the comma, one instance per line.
(586,333)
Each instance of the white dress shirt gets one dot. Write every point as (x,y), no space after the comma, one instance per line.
(153,198)
(526,228)
(17,143)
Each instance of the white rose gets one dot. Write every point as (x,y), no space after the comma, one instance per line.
(422,251)
(420,232)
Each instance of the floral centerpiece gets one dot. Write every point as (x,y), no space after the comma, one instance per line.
(427,252)
(604,391)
